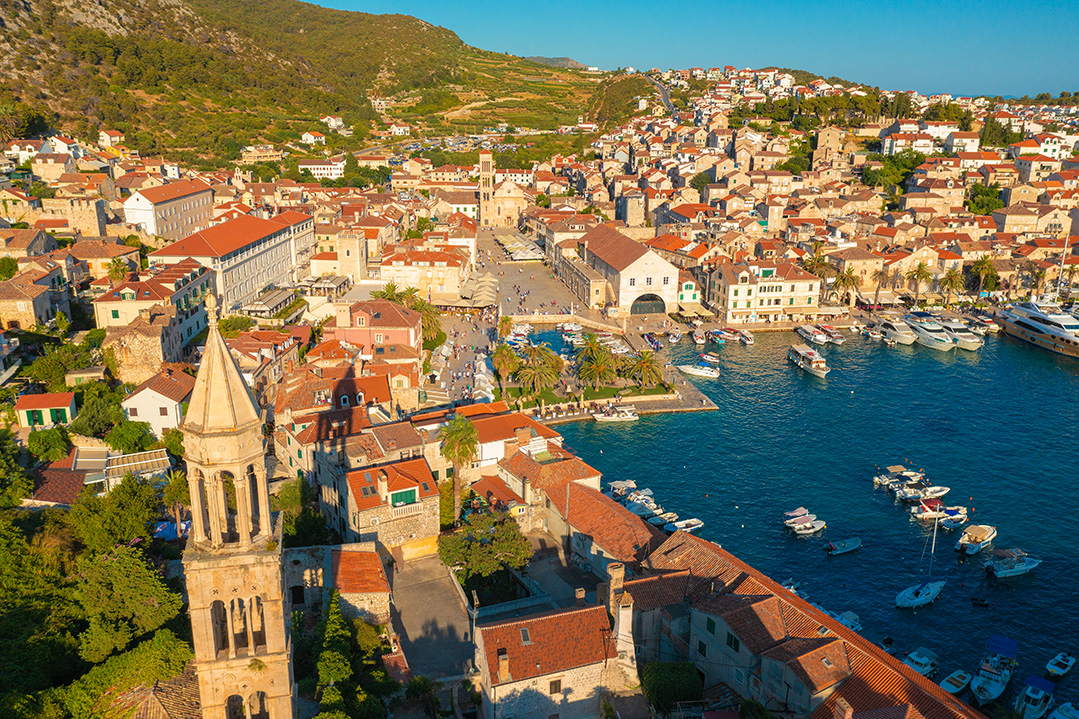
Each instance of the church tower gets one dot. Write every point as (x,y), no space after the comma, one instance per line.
(487,188)
(232,562)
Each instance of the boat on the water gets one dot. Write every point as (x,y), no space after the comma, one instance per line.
(924,661)
(917,491)
(975,538)
(1067,710)
(843,546)
(961,334)
(618,489)
(685,525)
(897,473)
(612,413)
(1010,563)
(897,331)
(674,337)
(953,522)
(808,359)
(1036,699)
(1060,665)
(698,370)
(832,334)
(1042,324)
(745,336)
(812,334)
(956,682)
(918,595)
(662,519)
(800,519)
(933,508)
(698,337)
(929,333)
(996,669)
(710,357)
(726,334)
(810,526)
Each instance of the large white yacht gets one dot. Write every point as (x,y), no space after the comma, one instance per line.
(961,335)
(929,333)
(897,331)
(1042,324)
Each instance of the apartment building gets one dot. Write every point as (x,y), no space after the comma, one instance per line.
(763,292)
(172,211)
(183,285)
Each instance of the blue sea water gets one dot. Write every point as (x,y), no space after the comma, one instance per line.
(999,426)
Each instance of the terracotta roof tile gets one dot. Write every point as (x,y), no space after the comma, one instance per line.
(358,572)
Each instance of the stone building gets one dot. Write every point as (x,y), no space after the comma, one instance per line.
(354,570)
(487,186)
(152,338)
(232,563)
(393,505)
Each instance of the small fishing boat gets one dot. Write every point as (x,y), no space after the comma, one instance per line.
(832,334)
(698,370)
(923,661)
(710,357)
(685,525)
(698,337)
(1036,699)
(625,413)
(674,337)
(1067,710)
(896,473)
(843,546)
(812,334)
(996,669)
(956,682)
(800,519)
(618,489)
(1010,563)
(810,527)
(644,510)
(975,538)
(1060,665)
(953,522)
(662,519)
(745,336)
(808,359)
(726,334)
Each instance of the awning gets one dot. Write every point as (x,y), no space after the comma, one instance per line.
(694,309)
(887,297)
(1005,647)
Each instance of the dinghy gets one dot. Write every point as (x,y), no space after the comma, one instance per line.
(843,546)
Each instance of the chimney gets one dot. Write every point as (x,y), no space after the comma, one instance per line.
(842,709)
(343,314)
(504,667)
(578,597)
(383,484)
(616,574)
(524,436)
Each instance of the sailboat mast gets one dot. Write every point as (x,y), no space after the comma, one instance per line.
(933,551)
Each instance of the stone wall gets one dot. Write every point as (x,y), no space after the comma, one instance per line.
(579,697)
(379,525)
(85,215)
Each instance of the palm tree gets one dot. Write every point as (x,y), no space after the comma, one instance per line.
(459,445)
(952,281)
(118,270)
(646,370)
(880,276)
(982,267)
(897,277)
(536,377)
(919,275)
(430,318)
(1069,273)
(846,281)
(597,371)
(505,326)
(591,347)
(388,293)
(505,362)
(176,496)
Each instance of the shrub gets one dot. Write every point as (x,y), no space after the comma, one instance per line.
(667,683)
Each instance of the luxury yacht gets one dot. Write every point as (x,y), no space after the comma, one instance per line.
(1042,324)
(961,335)
(897,331)
(929,333)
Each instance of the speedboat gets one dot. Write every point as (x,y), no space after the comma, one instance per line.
(685,525)
(717,337)
(996,669)
(674,337)
(918,595)
(726,334)
(929,333)
(698,370)
(625,413)
(917,491)
(808,359)
(1067,710)
(1042,324)
(711,357)
(810,526)
(812,334)
(698,337)
(832,334)
(1036,699)
(843,546)
(745,336)
(933,508)
(1060,665)
(644,510)
(895,473)
(962,336)
(975,538)
(618,489)
(898,332)
(956,682)
(923,661)
(1010,563)
(953,522)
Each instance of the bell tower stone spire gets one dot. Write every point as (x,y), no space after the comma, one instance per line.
(232,563)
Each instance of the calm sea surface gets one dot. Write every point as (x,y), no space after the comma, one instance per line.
(999,426)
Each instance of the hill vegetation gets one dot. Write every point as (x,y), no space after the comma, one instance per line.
(566,62)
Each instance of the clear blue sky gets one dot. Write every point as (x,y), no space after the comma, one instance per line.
(958,46)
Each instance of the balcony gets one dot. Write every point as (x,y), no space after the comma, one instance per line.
(407,510)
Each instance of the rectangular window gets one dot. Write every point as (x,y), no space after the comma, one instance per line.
(736,292)
(648,280)
(632,281)
(710,625)
(299,454)
(525,638)
(163,411)
(133,412)
(406,497)
(667,280)
(556,686)
(116,314)
(702,648)
(732,642)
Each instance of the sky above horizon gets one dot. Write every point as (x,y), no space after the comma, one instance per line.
(965,47)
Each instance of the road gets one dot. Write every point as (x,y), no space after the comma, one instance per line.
(663,94)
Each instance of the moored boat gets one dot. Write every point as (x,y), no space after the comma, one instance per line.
(923,661)
(929,333)
(800,519)
(809,527)
(698,370)
(996,669)
(1036,699)
(1067,710)
(832,334)
(917,491)
(895,473)
(956,682)
(662,519)
(843,546)
(962,336)
(808,359)
(711,357)
(1010,563)
(812,334)
(1042,324)
(918,595)
(611,413)
(698,337)
(1060,665)
(897,331)
(685,525)
(933,508)
(674,337)
(745,336)
(975,538)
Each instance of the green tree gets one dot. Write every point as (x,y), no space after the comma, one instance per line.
(8,267)
(129,437)
(700,182)
(597,371)
(335,656)
(63,324)
(646,370)
(118,270)
(49,445)
(424,690)
(176,496)
(173,439)
(847,281)
(982,200)
(505,361)
(952,281)
(879,276)
(459,444)
(919,275)
(15,483)
(505,326)
(124,599)
(97,417)
(122,516)
(486,543)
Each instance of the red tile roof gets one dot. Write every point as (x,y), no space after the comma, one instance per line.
(358,572)
(50,400)
(58,486)
(173,190)
(620,533)
(220,240)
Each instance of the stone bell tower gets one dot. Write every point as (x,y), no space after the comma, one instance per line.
(487,188)
(232,562)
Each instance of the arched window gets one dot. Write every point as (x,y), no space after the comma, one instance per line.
(255,506)
(240,619)
(258,707)
(234,707)
(227,487)
(220,624)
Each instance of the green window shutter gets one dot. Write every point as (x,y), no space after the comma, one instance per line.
(116,314)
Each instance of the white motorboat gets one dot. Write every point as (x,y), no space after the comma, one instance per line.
(685,525)
(933,508)
(897,331)
(674,337)
(1042,324)
(1067,710)
(808,359)
(698,370)
(625,413)
(996,670)
(956,682)
(698,337)
(832,334)
(843,546)
(644,511)
(923,661)
(1060,665)
(895,473)
(711,357)
(570,327)
(800,519)
(1036,699)
(929,333)
(953,522)
(918,595)
(975,538)
(1010,563)
(662,519)
(745,336)
(917,491)
(810,527)
(638,494)
(962,336)
(812,334)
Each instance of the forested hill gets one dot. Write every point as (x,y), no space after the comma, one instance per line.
(199,79)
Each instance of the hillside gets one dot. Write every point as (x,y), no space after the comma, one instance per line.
(198,79)
(566,62)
